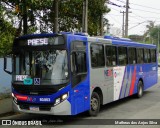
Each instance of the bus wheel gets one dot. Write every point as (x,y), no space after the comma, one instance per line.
(95,104)
(140,89)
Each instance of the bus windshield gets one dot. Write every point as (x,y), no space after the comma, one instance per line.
(50,66)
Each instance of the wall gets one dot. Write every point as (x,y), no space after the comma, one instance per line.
(5,89)
(5,79)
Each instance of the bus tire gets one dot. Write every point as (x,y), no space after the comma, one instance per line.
(140,89)
(95,104)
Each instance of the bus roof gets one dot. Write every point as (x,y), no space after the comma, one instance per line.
(107,39)
(128,42)
(37,35)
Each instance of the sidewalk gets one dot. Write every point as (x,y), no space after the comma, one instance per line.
(5,106)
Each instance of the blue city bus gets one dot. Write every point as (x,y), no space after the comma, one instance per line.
(67,74)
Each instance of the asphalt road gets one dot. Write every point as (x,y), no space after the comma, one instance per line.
(147,107)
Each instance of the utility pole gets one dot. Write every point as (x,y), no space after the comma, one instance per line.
(122,23)
(101,25)
(108,28)
(85,17)
(126,23)
(55,29)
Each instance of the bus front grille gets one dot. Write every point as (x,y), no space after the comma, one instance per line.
(35,90)
(42,107)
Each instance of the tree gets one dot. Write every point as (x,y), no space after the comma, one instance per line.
(6,32)
(39,16)
(147,35)
(6,37)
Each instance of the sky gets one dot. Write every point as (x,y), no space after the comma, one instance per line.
(142,12)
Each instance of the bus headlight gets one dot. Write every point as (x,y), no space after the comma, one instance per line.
(61,99)
(57,101)
(64,96)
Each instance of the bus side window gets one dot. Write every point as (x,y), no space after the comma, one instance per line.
(97,55)
(79,62)
(78,67)
(153,55)
(132,55)
(122,55)
(147,56)
(140,56)
(111,56)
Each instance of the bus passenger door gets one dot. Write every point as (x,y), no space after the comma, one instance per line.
(79,81)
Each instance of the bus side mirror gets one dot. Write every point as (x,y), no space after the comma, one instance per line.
(6,65)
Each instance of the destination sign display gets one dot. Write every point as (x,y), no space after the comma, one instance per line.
(35,42)
(59,40)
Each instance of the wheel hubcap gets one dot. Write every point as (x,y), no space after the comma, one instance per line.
(140,90)
(94,104)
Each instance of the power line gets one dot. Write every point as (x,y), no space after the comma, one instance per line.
(143,17)
(139,5)
(134,23)
(121,1)
(138,16)
(115,20)
(145,11)
(133,8)
(133,16)
(115,9)
(137,24)
(145,6)
(114,4)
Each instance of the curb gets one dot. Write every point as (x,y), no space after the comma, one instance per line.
(7,114)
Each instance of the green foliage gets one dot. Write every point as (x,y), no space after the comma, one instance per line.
(70,14)
(154,32)
(151,35)
(40,17)
(7,31)
(137,38)
(6,37)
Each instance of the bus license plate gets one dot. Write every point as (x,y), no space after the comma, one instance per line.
(33,108)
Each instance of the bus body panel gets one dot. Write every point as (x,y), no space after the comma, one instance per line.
(26,101)
(98,76)
(64,108)
(150,75)
(123,81)
(80,98)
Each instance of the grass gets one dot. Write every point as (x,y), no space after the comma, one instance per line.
(5,95)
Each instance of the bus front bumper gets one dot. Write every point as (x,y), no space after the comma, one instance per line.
(64,108)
